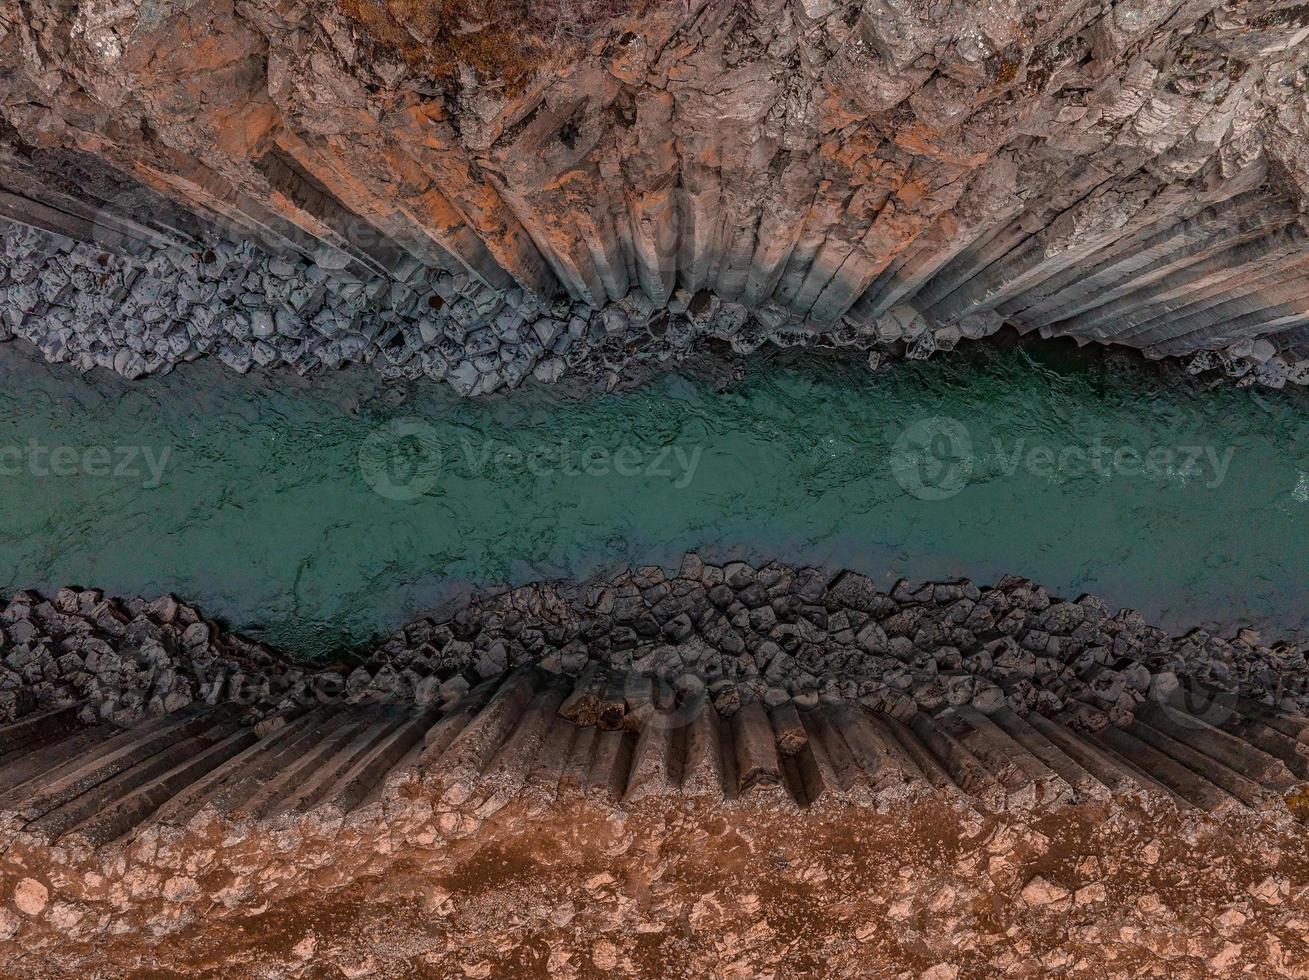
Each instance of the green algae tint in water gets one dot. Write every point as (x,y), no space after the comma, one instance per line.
(316,515)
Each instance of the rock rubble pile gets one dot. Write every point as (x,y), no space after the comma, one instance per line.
(142,315)
(732,634)
(125,658)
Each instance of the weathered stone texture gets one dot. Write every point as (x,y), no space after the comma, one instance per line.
(801,840)
(991,780)
(814,161)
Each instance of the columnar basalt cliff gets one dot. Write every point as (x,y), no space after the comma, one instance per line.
(938,776)
(882,173)
(732,769)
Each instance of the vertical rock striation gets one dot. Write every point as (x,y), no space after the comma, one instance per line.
(1130,172)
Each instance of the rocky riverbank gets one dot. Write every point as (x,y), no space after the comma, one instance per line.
(144,314)
(731,635)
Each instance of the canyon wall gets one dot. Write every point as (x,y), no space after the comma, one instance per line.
(902,172)
(942,777)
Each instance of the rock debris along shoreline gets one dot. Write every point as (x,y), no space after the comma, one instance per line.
(93,309)
(141,316)
(731,635)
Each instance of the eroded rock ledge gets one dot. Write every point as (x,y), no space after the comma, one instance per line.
(863,173)
(742,768)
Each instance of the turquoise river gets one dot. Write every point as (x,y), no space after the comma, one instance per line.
(316,515)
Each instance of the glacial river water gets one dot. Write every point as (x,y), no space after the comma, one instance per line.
(317,515)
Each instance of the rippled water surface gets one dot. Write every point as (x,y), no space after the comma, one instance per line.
(316,515)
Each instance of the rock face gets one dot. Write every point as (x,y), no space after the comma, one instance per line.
(505,820)
(906,174)
(745,767)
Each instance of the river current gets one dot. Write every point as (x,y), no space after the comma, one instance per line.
(316,515)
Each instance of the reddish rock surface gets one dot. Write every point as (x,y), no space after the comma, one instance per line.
(1133,172)
(684,889)
(528,828)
